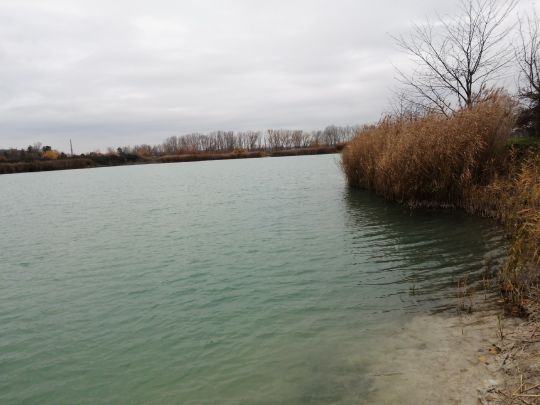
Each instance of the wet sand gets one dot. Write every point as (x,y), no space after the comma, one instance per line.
(443,360)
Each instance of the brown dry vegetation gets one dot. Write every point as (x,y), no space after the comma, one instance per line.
(432,159)
(45,165)
(52,162)
(195,157)
(246,154)
(515,200)
(458,161)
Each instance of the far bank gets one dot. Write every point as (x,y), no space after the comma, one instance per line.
(123,159)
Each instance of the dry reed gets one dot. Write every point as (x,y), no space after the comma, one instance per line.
(522,214)
(431,160)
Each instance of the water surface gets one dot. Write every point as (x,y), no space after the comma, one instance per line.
(228,282)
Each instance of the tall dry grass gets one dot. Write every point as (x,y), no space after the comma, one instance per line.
(519,198)
(431,160)
(514,199)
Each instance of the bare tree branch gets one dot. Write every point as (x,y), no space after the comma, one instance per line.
(457,58)
(527,53)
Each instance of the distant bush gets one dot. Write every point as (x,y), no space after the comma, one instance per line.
(244,154)
(50,154)
(195,157)
(315,150)
(45,165)
(115,159)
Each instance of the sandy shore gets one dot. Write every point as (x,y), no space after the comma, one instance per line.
(519,360)
(477,358)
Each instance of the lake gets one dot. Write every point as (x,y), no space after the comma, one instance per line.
(254,281)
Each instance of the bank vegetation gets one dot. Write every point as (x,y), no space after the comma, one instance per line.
(454,138)
(217,145)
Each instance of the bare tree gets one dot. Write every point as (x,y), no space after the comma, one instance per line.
(279,138)
(253,139)
(170,145)
(528,57)
(331,135)
(298,139)
(457,59)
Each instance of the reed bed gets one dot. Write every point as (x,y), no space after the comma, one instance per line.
(431,160)
(459,161)
(520,201)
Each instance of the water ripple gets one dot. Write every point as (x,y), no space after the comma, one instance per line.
(251,281)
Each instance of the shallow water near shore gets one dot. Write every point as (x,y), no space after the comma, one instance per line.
(221,282)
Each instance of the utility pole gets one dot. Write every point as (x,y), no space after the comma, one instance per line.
(71,147)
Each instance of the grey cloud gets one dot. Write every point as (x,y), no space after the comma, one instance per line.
(109,73)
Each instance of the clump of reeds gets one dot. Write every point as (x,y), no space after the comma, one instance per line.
(513,197)
(431,159)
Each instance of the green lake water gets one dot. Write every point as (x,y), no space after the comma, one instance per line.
(256,281)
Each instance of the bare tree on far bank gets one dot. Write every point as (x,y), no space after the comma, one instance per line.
(227,141)
(528,57)
(457,59)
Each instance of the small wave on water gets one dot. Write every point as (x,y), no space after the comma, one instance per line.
(253,281)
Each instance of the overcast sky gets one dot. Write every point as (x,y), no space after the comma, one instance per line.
(118,72)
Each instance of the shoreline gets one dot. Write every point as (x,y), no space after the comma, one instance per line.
(96,161)
(519,358)
(478,358)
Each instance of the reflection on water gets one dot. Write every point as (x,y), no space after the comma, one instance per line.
(426,251)
(253,281)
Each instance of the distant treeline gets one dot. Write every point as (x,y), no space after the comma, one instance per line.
(227,141)
(216,145)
